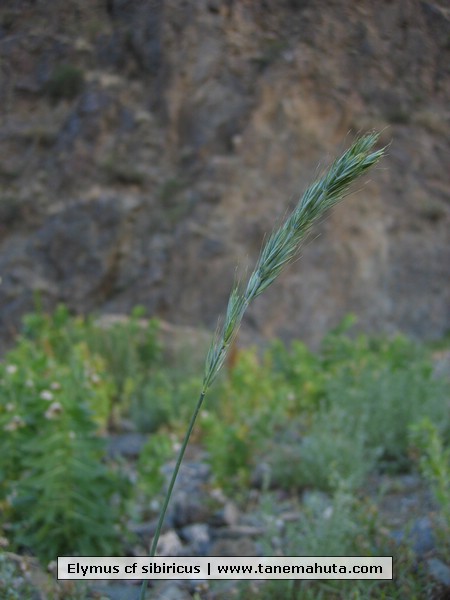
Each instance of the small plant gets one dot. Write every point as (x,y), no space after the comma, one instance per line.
(383,386)
(11,209)
(118,170)
(124,352)
(326,454)
(55,404)
(169,189)
(152,457)
(65,83)
(280,249)
(434,464)
(54,486)
(336,525)
(251,408)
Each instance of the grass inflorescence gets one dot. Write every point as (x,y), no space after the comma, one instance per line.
(283,244)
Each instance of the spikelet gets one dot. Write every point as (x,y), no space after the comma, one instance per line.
(282,246)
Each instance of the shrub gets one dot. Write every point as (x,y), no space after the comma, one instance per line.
(128,351)
(337,525)
(57,494)
(65,83)
(120,170)
(153,456)
(383,386)
(324,456)
(433,456)
(313,417)
(250,408)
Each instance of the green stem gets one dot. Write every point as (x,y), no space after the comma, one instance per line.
(168,495)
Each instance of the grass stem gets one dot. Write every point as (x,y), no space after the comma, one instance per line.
(173,479)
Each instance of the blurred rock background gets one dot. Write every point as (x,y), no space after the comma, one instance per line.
(148,146)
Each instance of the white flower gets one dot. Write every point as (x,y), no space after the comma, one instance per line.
(53,411)
(15,423)
(46,395)
(95,378)
(29,383)
(11,369)
(55,385)
(10,406)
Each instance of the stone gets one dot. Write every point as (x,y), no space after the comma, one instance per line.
(197,537)
(170,590)
(241,546)
(169,544)
(421,537)
(128,445)
(439,571)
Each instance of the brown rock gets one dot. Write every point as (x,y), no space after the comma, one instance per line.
(241,102)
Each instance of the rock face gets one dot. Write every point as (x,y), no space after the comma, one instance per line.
(147,147)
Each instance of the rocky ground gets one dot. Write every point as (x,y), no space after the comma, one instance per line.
(203,521)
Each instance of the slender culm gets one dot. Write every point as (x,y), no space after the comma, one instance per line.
(280,249)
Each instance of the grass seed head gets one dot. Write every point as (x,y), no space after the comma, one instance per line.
(283,245)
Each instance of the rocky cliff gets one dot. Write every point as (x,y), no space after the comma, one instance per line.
(147,146)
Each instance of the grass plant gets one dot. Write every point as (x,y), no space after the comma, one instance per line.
(280,249)
(434,464)
(336,525)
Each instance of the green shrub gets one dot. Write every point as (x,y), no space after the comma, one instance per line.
(57,494)
(434,463)
(337,525)
(65,83)
(323,456)
(302,370)
(128,351)
(230,451)
(312,418)
(120,170)
(250,407)
(153,456)
(382,388)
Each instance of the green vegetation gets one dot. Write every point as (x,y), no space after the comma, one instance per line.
(60,390)
(118,169)
(318,419)
(322,423)
(433,455)
(66,83)
(339,525)
(53,485)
